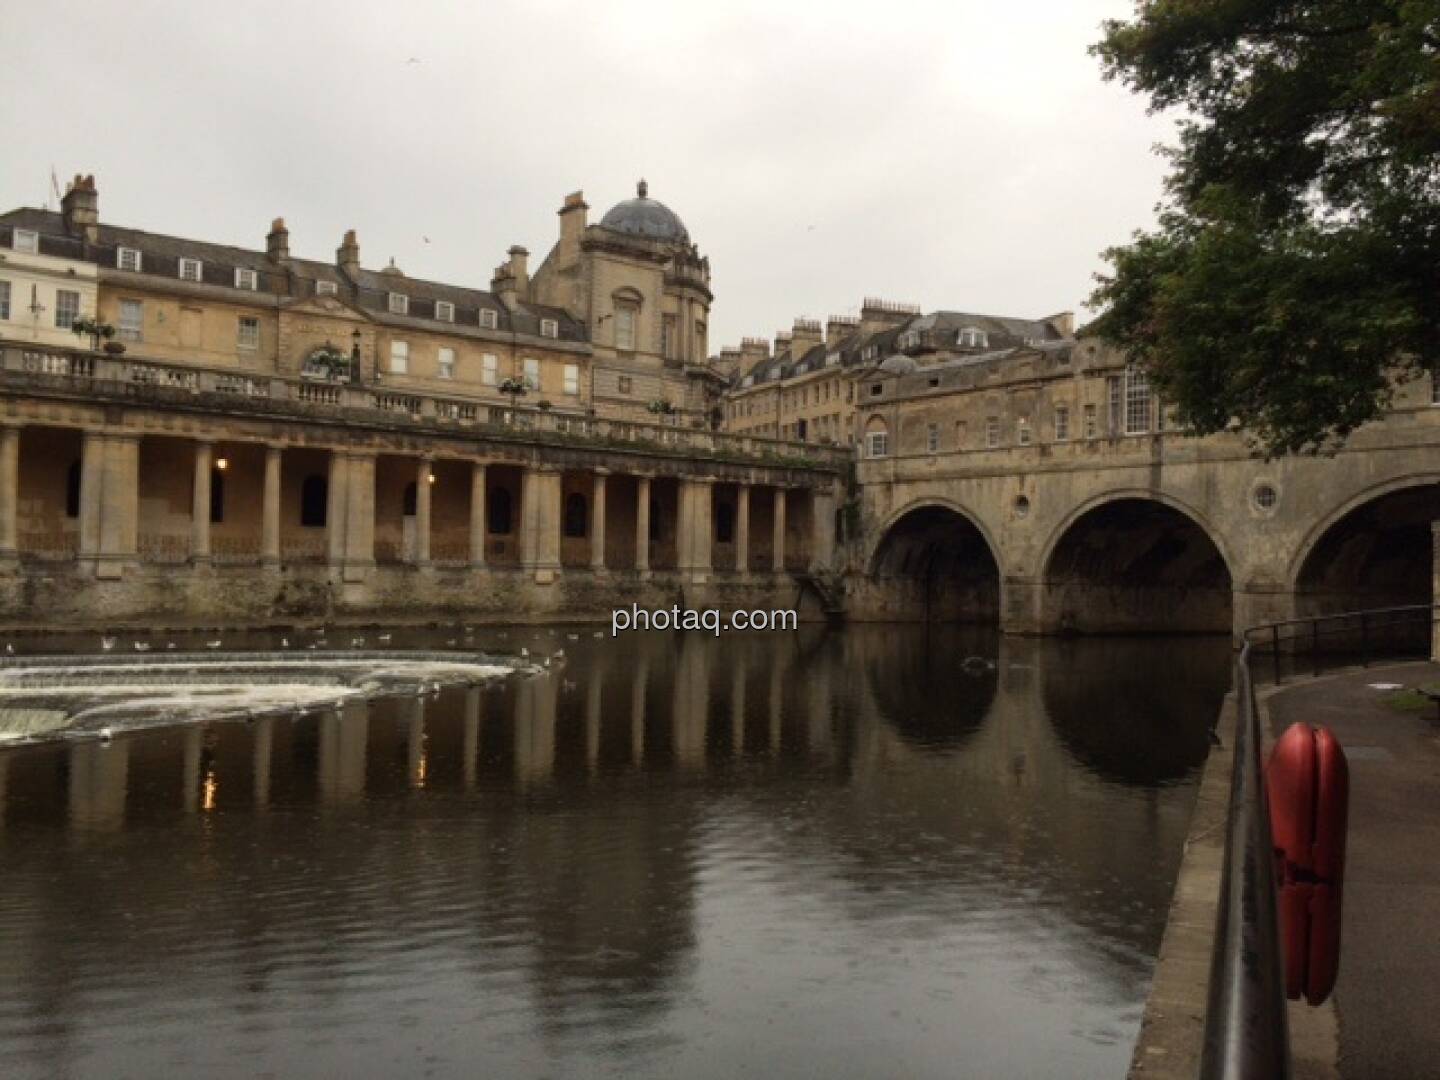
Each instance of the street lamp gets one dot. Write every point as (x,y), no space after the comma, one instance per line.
(355,356)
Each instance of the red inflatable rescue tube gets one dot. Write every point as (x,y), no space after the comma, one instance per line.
(1307,783)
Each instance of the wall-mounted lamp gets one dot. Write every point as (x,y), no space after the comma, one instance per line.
(222,463)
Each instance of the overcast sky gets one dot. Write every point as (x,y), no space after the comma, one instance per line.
(962,155)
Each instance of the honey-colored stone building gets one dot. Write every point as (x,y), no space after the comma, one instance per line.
(268,435)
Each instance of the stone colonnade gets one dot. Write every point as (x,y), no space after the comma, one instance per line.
(112,483)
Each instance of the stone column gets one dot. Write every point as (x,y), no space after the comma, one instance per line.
(200,502)
(423,484)
(477,514)
(336,508)
(778,547)
(270,509)
(119,505)
(358,528)
(92,472)
(597,523)
(9,492)
(642,526)
(742,529)
(695,539)
(540,523)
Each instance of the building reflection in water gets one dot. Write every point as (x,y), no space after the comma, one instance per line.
(630,858)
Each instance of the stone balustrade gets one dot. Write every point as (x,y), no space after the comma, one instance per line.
(100,375)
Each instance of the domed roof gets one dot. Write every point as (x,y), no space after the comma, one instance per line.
(643,216)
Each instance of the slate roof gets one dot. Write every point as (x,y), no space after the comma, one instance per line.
(161,256)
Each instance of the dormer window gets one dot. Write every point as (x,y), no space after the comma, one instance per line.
(246,279)
(972,338)
(488,319)
(444,311)
(326,288)
(549,328)
(128,259)
(191,270)
(398,303)
(27,240)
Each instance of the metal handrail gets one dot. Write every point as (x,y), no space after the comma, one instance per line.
(1246,1031)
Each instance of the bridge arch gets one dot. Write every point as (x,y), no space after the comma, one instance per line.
(936,558)
(1136,560)
(1373,550)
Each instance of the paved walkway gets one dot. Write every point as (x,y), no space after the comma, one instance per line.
(1388,995)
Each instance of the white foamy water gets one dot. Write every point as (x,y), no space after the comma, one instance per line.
(66,696)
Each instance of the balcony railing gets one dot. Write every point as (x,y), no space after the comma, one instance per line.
(123,376)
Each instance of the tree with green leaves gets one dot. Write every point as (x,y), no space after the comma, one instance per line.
(1293,277)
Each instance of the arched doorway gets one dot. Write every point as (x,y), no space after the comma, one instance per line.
(1136,565)
(935,565)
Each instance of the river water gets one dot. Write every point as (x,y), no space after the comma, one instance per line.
(843,854)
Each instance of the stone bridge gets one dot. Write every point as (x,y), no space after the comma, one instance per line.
(1161,532)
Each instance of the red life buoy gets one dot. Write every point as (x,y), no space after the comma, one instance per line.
(1307,783)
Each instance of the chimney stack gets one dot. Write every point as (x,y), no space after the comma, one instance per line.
(882,314)
(277,241)
(838,328)
(503,286)
(573,218)
(80,208)
(347,256)
(752,351)
(519,270)
(804,336)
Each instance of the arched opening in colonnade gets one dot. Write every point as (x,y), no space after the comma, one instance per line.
(934,564)
(1135,565)
(1376,554)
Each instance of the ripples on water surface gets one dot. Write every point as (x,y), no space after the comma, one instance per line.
(836,855)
